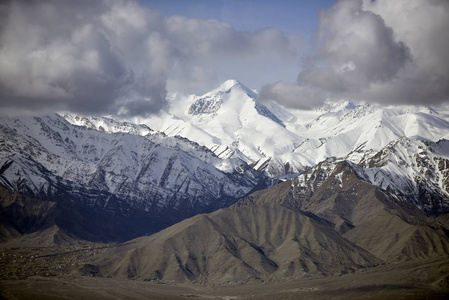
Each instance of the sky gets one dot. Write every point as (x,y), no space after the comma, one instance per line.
(300,16)
(123,58)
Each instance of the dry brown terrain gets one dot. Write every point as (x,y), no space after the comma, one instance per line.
(405,280)
(276,235)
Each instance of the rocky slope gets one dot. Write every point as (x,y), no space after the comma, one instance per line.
(329,221)
(254,239)
(377,220)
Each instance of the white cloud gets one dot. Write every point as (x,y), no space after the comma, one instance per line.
(116,57)
(382,51)
(292,95)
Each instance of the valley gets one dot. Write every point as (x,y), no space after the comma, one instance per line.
(406,280)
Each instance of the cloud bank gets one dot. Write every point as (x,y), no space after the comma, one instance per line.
(114,57)
(390,52)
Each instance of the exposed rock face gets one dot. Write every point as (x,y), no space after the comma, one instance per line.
(415,171)
(205,105)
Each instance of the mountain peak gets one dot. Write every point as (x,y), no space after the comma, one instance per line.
(229,84)
(211,102)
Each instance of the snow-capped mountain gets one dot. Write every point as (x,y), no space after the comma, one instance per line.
(232,122)
(413,171)
(126,168)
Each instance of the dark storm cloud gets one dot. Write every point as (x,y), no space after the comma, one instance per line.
(113,57)
(392,52)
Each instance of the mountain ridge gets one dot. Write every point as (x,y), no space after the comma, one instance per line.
(116,173)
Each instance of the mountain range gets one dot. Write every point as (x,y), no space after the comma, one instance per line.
(224,188)
(232,122)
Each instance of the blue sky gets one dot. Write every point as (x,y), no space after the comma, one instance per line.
(295,16)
